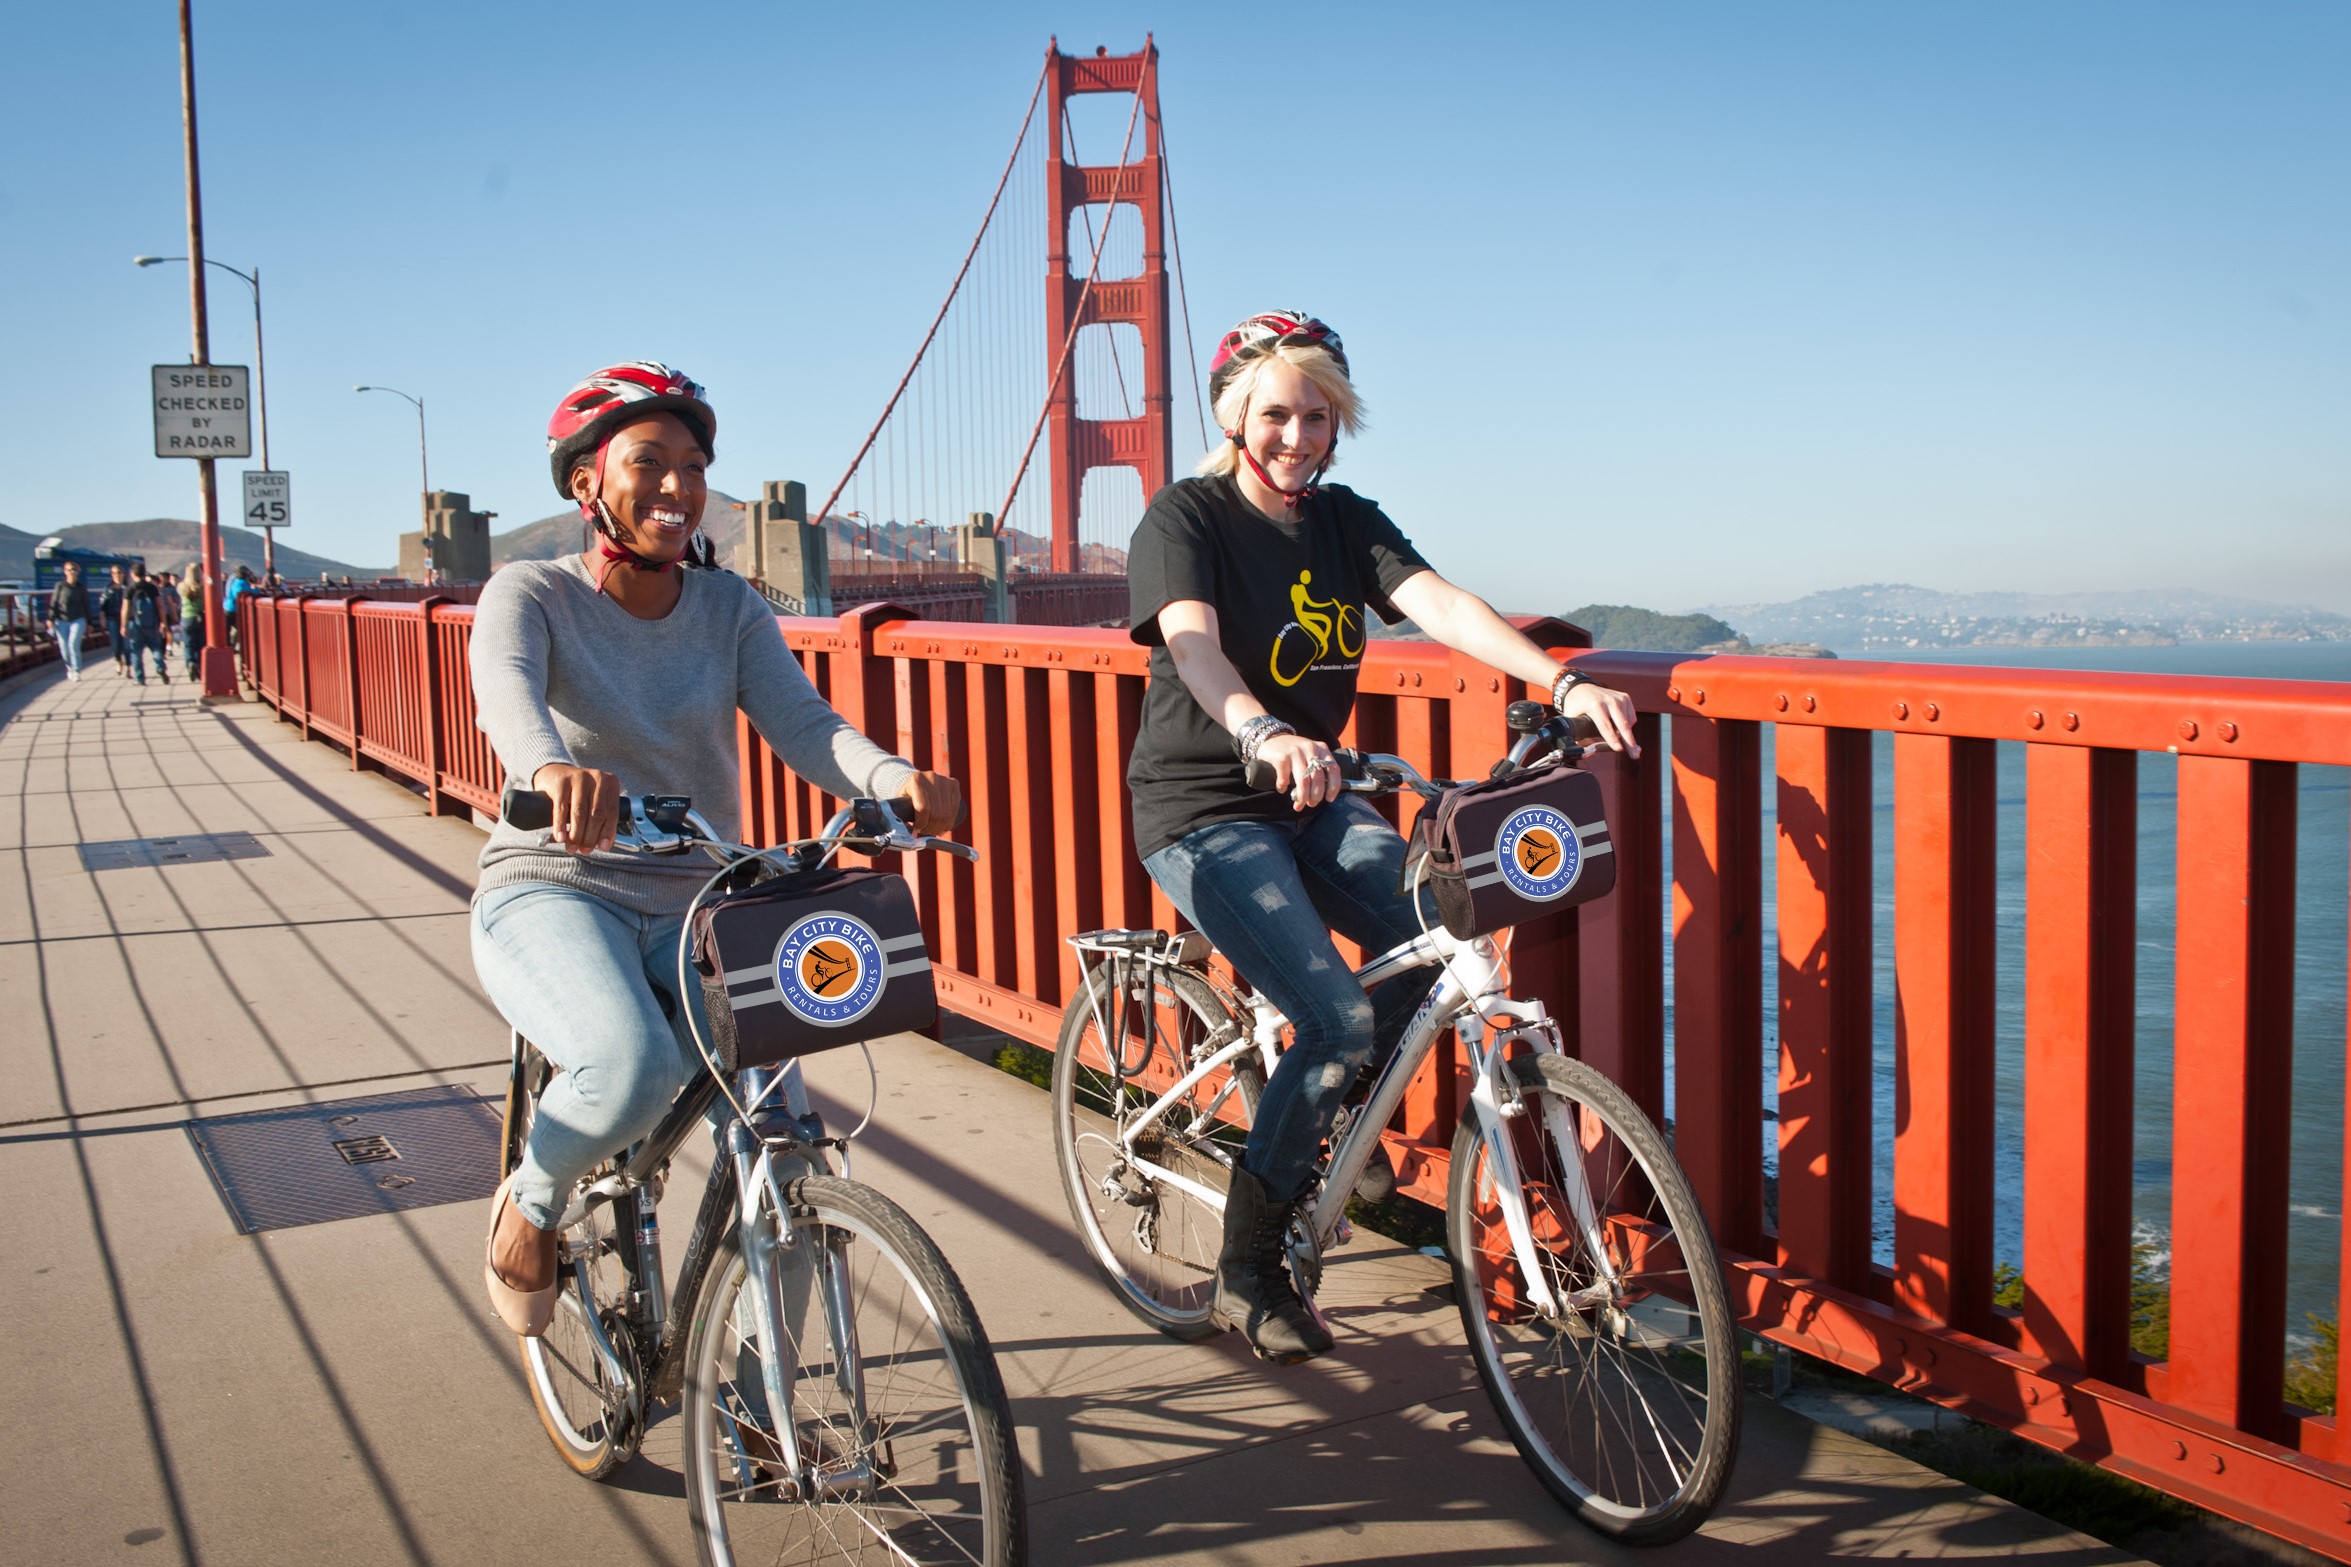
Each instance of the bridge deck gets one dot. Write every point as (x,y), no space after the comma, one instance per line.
(216,1397)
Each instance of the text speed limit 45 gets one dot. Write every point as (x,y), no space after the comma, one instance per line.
(269,498)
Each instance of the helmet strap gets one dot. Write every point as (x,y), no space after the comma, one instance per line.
(611,549)
(1290,499)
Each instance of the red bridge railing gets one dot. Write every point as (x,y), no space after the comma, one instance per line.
(1038,722)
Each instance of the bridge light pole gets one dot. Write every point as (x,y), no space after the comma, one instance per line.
(424,473)
(269,536)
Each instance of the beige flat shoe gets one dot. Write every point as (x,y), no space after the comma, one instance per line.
(527,1312)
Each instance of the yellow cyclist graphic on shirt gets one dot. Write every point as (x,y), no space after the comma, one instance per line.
(1315,628)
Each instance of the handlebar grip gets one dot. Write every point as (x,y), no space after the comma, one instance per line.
(526,809)
(1261,775)
(903,809)
(1583,731)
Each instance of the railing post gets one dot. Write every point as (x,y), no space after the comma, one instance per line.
(302,652)
(2081,980)
(1945,824)
(350,621)
(2233,1086)
(1620,990)
(437,800)
(865,688)
(1718,971)
(1824,991)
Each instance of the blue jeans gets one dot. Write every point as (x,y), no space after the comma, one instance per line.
(1269,895)
(577,974)
(69,642)
(144,639)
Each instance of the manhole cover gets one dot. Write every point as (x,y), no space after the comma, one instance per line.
(194,849)
(307,1164)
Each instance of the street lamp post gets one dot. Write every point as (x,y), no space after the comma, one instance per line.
(269,536)
(424,473)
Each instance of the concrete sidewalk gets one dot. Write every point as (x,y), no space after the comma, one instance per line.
(177,1391)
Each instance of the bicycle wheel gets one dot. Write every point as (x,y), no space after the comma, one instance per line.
(1155,1240)
(897,1410)
(1625,1403)
(587,1410)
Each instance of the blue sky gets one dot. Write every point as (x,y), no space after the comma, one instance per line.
(1671,304)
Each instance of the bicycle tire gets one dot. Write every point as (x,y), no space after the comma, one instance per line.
(1156,1245)
(587,1415)
(1603,1402)
(956,1499)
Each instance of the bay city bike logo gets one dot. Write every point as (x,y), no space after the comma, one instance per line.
(829,969)
(1538,853)
(1316,627)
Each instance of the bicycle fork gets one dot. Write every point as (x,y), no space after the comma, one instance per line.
(782,1268)
(1494,1113)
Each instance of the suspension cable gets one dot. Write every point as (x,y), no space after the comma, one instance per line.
(1078,316)
(1002,180)
(1183,297)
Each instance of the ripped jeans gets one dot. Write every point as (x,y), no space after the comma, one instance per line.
(1269,894)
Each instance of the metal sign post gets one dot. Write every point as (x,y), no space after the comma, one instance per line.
(269,498)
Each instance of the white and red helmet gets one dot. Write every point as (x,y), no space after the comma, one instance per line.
(618,395)
(1261,335)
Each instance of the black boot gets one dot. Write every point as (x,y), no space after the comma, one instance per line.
(1254,1292)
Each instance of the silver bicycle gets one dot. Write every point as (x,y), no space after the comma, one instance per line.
(1588,1283)
(841,1402)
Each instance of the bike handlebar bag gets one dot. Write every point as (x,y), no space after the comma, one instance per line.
(802,963)
(1496,854)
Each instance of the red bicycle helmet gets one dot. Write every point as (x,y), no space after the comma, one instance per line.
(614,396)
(1261,335)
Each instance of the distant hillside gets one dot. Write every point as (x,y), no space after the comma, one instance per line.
(1886,616)
(551,538)
(722,519)
(169,544)
(1627,626)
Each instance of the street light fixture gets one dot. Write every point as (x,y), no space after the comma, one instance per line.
(425,497)
(252,279)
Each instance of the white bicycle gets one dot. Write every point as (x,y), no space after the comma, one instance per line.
(1588,1283)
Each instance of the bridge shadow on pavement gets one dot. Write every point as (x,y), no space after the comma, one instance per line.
(185,1393)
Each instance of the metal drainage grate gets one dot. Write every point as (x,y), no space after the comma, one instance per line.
(308,1164)
(195,849)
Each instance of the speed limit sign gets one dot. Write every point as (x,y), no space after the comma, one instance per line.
(269,498)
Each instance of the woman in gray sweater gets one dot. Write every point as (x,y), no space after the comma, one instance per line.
(620,671)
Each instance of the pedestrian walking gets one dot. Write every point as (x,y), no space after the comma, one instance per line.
(142,625)
(110,606)
(239,585)
(192,615)
(69,617)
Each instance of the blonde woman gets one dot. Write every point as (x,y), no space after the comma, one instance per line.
(1249,584)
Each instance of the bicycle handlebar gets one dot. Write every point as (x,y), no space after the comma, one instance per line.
(669,824)
(1370,772)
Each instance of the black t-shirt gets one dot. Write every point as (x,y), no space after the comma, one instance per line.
(144,604)
(1289,600)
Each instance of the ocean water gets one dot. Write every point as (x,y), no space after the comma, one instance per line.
(2322,936)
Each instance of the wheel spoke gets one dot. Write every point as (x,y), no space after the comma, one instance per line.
(1621,1403)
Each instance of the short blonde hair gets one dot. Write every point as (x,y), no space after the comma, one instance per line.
(1311,360)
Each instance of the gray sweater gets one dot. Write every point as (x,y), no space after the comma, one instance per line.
(561,673)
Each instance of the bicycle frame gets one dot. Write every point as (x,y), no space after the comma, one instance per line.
(1468,997)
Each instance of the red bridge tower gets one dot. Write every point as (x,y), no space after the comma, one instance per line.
(1081,445)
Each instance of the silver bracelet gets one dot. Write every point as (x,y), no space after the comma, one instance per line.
(1254,732)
